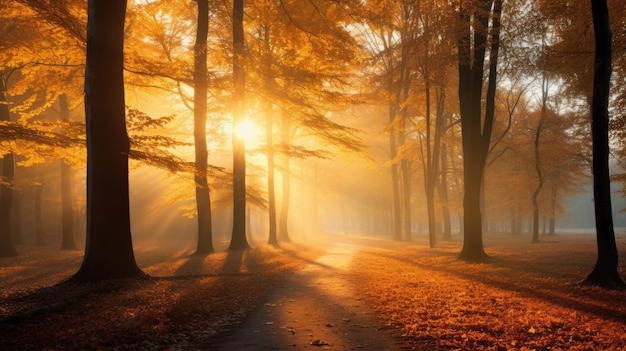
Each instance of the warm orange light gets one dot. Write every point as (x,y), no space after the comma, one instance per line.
(245,130)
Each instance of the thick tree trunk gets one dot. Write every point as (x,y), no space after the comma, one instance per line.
(7,247)
(605,271)
(109,250)
(203,195)
(473,249)
(238,239)
(67,213)
(476,131)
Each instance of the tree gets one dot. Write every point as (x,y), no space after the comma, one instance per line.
(8,174)
(540,176)
(480,27)
(108,251)
(238,238)
(203,199)
(67,214)
(605,271)
(304,63)
(389,27)
(435,58)
(268,84)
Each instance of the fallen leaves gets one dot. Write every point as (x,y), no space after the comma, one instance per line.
(180,312)
(524,299)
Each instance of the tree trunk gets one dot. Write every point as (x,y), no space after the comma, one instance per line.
(285,128)
(552,210)
(283,231)
(396,218)
(16,218)
(108,250)
(203,195)
(544,108)
(406,180)
(443,195)
(7,247)
(269,143)
(476,131)
(433,152)
(605,272)
(39,232)
(514,222)
(238,238)
(67,213)
(271,191)
(315,206)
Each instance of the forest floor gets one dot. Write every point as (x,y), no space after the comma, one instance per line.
(349,294)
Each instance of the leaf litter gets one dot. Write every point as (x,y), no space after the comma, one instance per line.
(527,297)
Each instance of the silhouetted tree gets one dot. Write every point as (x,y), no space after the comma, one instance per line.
(109,250)
(67,213)
(605,271)
(540,176)
(7,248)
(480,26)
(268,84)
(203,198)
(238,238)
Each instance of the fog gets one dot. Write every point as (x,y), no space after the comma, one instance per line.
(329,198)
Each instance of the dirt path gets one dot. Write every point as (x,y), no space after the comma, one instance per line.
(314,310)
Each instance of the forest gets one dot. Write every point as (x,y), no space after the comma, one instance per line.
(282,174)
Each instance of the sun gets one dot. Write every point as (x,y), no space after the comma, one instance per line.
(245,130)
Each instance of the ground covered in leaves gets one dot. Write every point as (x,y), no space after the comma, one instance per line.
(527,297)
(186,301)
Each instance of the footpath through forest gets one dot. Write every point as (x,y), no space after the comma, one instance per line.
(316,307)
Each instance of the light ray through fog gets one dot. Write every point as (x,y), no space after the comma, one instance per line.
(154,214)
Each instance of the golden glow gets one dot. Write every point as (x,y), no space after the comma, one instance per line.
(245,130)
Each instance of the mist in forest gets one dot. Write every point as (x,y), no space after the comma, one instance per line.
(328,199)
(307,120)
